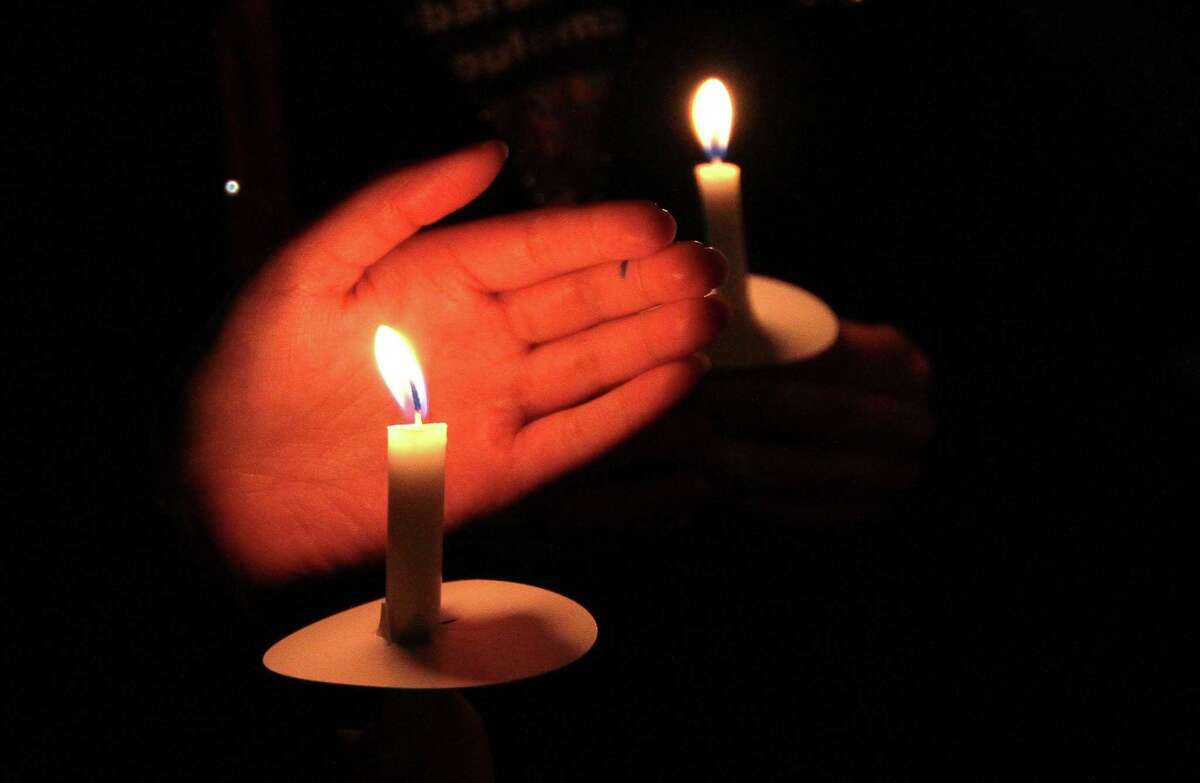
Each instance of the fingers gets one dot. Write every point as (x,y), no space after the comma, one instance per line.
(334,253)
(814,472)
(575,301)
(819,414)
(650,503)
(555,444)
(896,358)
(576,368)
(514,251)
(873,357)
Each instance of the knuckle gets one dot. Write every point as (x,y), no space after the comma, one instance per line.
(581,296)
(519,319)
(587,363)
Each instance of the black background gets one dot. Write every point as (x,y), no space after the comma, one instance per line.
(1017,187)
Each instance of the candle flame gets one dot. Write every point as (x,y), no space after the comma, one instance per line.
(712,117)
(401,372)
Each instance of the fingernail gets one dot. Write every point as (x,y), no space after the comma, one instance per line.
(704,361)
(666,223)
(722,262)
(503,149)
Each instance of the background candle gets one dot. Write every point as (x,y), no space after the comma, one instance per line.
(416,498)
(720,183)
(720,188)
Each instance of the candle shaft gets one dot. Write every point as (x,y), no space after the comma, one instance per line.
(416,503)
(742,341)
(721,193)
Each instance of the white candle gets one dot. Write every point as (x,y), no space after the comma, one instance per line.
(720,183)
(416,499)
(720,188)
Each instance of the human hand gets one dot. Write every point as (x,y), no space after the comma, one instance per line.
(830,439)
(535,332)
(825,440)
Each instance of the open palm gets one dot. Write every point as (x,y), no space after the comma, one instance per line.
(545,337)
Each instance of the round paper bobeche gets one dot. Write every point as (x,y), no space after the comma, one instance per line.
(491,632)
(793,324)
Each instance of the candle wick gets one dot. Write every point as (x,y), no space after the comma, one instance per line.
(716,150)
(416,398)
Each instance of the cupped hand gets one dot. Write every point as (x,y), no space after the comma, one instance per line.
(826,440)
(546,338)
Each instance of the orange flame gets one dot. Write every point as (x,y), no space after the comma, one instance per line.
(401,371)
(712,117)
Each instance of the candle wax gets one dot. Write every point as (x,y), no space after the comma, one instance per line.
(416,502)
(721,193)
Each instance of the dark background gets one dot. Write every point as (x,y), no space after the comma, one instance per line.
(1017,187)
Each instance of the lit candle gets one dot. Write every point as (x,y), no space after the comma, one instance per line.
(720,185)
(416,498)
(721,193)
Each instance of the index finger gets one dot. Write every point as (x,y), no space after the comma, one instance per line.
(335,251)
(876,358)
(826,415)
(514,251)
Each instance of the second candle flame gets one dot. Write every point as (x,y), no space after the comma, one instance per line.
(401,372)
(712,117)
